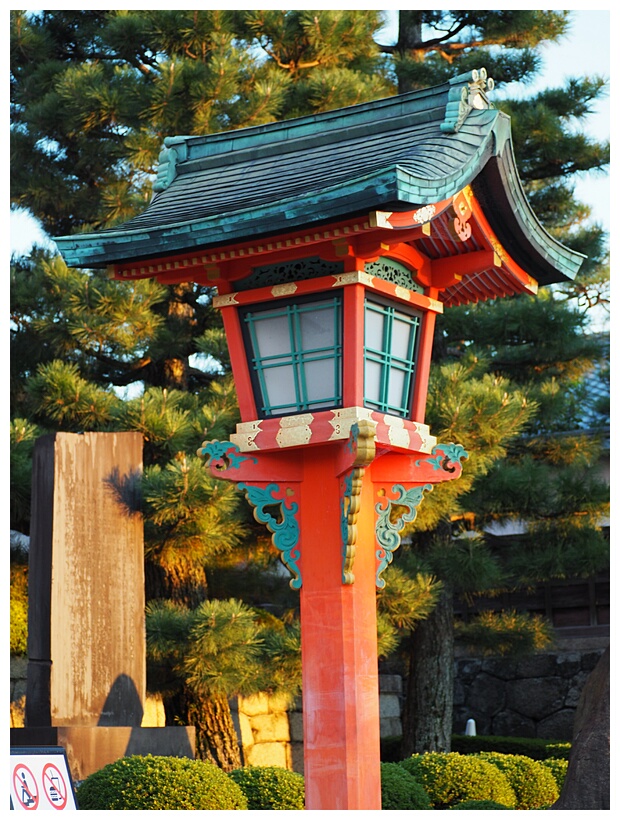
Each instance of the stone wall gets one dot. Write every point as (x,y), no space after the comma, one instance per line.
(272,734)
(532,697)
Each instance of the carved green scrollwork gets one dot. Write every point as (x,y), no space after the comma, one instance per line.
(389,524)
(295,271)
(392,271)
(284,530)
(223,455)
(444,456)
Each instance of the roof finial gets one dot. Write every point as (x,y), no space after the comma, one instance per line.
(467,91)
(478,87)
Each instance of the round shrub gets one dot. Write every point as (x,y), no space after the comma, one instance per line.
(400,790)
(450,778)
(479,804)
(533,784)
(558,767)
(270,787)
(153,782)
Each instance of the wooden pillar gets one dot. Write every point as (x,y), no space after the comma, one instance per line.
(339,647)
(86,641)
(423,365)
(342,503)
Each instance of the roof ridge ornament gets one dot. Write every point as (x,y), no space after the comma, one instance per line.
(173,151)
(465,98)
(166,169)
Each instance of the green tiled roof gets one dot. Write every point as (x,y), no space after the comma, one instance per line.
(392,154)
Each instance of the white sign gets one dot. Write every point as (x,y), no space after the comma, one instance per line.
(40,779)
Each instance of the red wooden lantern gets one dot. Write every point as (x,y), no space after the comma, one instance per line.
(333,242)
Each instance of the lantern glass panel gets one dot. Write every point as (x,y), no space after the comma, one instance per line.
(295,352)
(280,386)
(390,347)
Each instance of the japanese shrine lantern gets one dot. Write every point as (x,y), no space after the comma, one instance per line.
(333,242)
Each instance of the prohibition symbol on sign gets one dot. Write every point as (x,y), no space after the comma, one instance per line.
(54,786)
(25,787)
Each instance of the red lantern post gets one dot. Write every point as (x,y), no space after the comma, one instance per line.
(333,242)
(332,348)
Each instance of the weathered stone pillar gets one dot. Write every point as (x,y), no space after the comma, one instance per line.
(587,785)
(86,678)
(86,638)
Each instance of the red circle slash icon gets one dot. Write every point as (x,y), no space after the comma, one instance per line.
(25,787)
(54,786)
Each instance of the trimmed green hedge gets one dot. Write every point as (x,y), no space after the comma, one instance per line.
(558,767)
(532,782)
(479,804)
(536,748)
(533,747)
(400,790)
(451,778)
(270,787)
(153,782)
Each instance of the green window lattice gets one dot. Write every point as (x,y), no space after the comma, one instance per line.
(296,355)
(390,346)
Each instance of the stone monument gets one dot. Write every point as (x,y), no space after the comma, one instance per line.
(86,680)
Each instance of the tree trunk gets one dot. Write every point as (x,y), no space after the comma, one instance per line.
(409,30)
(169,368)
(427,718)
(216,737)
(186,585)
(409,37)
(587,783)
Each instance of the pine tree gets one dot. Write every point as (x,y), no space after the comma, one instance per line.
(539,345)
(94,93)
(205,655)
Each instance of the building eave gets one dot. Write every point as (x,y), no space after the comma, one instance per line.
(394,154)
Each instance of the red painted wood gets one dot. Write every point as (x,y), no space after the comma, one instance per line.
(353,348)
(339,647)
(239,364)
(274,435)
(451,270)
(423,367)
(407,219)
(412,471)
(508,262)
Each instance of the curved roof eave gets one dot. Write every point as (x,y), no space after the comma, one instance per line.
(425,162)
(509,215)
(499,191)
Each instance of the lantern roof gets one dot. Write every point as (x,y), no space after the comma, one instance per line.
(402,154)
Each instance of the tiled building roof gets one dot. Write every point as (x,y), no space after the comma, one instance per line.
(406,151)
